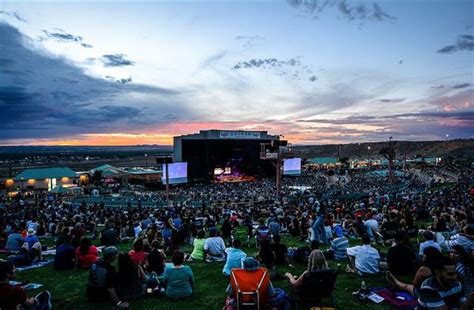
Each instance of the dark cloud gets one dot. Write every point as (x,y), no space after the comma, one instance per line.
(292,68)
(448,49)
(116,60)
(458,115)
(380,15)
(352,11)
(62,36)
(438,87)
(14,15)
(465,42)
(67,101)
(392,100)
(125,81)
(400,61)
(459,86)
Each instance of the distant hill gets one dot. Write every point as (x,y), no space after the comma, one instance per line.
(459,148)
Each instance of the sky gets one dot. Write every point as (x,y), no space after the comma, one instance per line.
(314,71)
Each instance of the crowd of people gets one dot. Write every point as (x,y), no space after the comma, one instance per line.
(381,216)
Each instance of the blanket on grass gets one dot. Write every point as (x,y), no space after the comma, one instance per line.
(35,265)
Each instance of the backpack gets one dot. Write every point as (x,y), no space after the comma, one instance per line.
(301,254)
(97,276)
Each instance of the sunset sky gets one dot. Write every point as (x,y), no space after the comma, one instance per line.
(317,72)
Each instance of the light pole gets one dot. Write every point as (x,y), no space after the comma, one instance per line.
(146,161)
(368,154)
(447,137)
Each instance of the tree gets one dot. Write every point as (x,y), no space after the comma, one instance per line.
(97,177)
(344,161)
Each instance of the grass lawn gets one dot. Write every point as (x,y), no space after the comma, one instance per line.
(68,287)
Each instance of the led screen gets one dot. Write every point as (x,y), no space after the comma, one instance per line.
(292,166)
(178,173)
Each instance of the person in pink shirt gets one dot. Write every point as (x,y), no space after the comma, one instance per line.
(86,254)
(137,255)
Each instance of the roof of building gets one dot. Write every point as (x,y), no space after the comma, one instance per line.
(45,173)
(323,160)
(137,171)
(108,170)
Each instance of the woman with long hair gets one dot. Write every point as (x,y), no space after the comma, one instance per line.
(316,262)
(131,278)
(267,257)
(86,254)
(156,259)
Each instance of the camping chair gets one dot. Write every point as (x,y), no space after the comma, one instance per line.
(316,285)
(250,288)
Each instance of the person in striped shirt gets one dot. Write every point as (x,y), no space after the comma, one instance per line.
(464,239)
(442,291)
(339,245)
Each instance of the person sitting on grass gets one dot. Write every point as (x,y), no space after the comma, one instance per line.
(316,261)
(33,244)
(214,247)
(65,258)
(364,259)
(198,251)
(429,242)
(138,256)
(235,256)
(132,278)
(339,245)
(86,254)
(443,290)
(102,284)
(251,276)
(179,279)
(14,240)
(464,267)
(280,250)
(14,297)
(431,258)
(156,259)
(400,258)
(267,257)
(110,235)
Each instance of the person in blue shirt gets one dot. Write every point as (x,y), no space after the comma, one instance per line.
(235,256)
(14,240)
(33,243)
(65,257)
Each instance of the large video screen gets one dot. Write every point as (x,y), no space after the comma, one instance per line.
(292,166)
(178,173)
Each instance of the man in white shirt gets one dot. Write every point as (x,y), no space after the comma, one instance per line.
(364,258)
(214,247)
(429,242)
